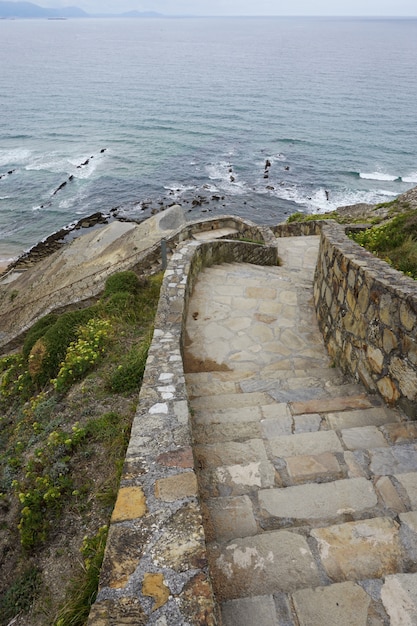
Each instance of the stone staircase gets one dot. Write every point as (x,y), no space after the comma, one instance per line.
(308,484)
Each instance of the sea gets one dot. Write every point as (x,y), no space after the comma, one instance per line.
(257,117)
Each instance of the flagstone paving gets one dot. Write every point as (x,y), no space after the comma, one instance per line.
(308,484)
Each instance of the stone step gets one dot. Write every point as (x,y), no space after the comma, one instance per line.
(339,604)
(335,498)
(230,400)
(214,382)
(289,562)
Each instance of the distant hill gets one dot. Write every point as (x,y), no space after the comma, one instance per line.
(29,10)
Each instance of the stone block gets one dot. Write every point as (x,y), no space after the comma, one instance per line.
(259,610)
(375,358)
(388,389)
(401,432)
(230,401)
(180,543)
(176,487)
(314,502)
(231,517)
(276,427)
(318,467)
(182,457)
(230,453)
(389,495)
(130,504)
(344,604)
(406,375)
(263,564)
(123,552)
(355,470)
(361,417)
(305,444)
(408,535)
(409,483)
(357,550)
(241,415)
(309,423)
(399,459)
(363,438)
(399,596)
(277,410)
(235,480)
(327,405)
(217,433)
(389,341)
(407,316)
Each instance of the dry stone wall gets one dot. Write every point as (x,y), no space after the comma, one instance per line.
(367,313)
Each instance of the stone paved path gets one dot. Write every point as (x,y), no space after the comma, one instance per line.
(309,485)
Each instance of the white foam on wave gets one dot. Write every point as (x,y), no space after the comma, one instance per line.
(14,157)
(378,176)
(219,171)
(226,177)
(179,188)
(50,163)
(58,164)
(317,201)
(411,178)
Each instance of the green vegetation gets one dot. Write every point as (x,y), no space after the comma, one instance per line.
(67,400)
(18,598)
(394,241)
(83,588)
(392,232)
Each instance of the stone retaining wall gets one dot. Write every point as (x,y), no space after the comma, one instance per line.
(155,567)
(367,313)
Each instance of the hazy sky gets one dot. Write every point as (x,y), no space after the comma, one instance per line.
(245,7)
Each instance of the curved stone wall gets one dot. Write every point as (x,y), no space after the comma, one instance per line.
(367,313)
(155,567)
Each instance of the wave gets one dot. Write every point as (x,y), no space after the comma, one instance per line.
(14,157)
(79,166)
(291,140)
(318,201)
(412,178)
(379,176)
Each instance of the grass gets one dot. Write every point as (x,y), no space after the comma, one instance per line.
(82,590)
(67,401)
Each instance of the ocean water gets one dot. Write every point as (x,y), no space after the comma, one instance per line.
(139,114)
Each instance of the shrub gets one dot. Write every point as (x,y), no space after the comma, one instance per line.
(49,350)
(128,375)
(122,282)
(82,354)
(42,489)
(37,331)
(19,596)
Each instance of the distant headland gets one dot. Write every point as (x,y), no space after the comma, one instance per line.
(28,10)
